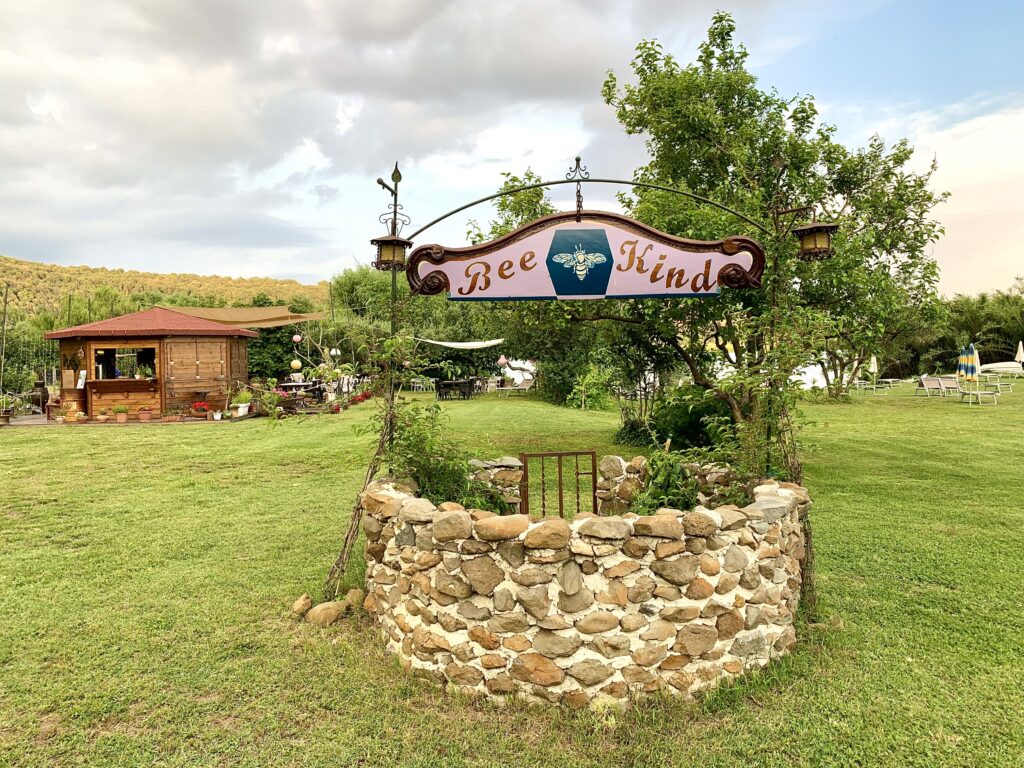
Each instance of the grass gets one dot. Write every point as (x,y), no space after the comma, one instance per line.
(146,574)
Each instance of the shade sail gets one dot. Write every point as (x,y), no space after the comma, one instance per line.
(464,344)
(250,317)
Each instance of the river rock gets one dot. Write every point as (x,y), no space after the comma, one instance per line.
(579,601)
(537,669)
(416,510)
(570,578)
(483,574)
(679,571)
(597,622)
(452,524)
(535,600)
(658,526)
(606,528)
(590,672)
(699,524)
(553,645)
(501,527)
(551,533)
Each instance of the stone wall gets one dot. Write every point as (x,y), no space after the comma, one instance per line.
(597,607)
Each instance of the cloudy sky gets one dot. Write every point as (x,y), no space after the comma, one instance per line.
(243,137)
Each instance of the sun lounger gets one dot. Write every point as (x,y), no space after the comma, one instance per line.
(929,386)
(520,388)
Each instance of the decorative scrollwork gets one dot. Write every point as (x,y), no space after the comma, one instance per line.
(735,276)
(432,283)
(579,174)
(394,214)
(577,171)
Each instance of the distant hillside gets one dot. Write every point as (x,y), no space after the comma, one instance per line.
(46,287)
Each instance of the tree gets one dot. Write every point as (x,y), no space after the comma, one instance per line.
(712,131)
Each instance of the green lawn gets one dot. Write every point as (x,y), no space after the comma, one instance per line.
(146,574)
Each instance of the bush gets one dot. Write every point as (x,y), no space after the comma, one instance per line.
(669,484)
(440,466)
(592,390)
(690,417)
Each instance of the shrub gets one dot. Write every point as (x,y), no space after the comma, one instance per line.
(669,484)
(440,466)
(592,390)
(689,417)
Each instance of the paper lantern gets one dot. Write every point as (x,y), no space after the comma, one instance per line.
(296,339)
(296,365)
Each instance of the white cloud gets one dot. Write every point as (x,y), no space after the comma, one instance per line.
(971,142)
(244,136)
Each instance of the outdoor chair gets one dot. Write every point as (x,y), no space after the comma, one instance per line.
(928,386)
(521,387)
(950,385)
(979,396)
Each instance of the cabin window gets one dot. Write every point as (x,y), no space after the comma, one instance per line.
(125,362)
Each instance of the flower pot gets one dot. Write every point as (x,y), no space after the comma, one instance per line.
(103,418)
(217,416)
(145,416)
(121,418)
(242,409)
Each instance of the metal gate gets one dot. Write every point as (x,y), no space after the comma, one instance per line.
(583,494)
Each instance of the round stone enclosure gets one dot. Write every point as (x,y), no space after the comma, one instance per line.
(597,607)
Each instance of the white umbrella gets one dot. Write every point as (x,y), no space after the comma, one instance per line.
(1019,357)
(873,365)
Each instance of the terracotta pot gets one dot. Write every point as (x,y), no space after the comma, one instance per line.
(103,418)
(122,418)
(145,416)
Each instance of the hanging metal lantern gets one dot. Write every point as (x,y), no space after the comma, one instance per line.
(815,240)
(390,253)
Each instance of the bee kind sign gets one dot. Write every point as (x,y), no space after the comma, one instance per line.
(599,256)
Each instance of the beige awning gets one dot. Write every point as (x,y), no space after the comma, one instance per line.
(250,317)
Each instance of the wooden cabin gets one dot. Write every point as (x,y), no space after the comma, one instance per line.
(159,358)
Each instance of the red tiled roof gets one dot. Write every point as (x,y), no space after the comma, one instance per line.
(157,321)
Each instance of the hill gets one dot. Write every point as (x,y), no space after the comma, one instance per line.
(45,287)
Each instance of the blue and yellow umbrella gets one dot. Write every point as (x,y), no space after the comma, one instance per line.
(972,364)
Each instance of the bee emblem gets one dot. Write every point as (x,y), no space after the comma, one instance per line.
(580,261)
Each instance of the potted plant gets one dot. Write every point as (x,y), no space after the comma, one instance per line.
(8,405)
(201,409)
(172,415)
(103,417)
(61,414)
(240,403)
(81,417)
(145,413)
(120,414)
(218,415)
(145,372)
